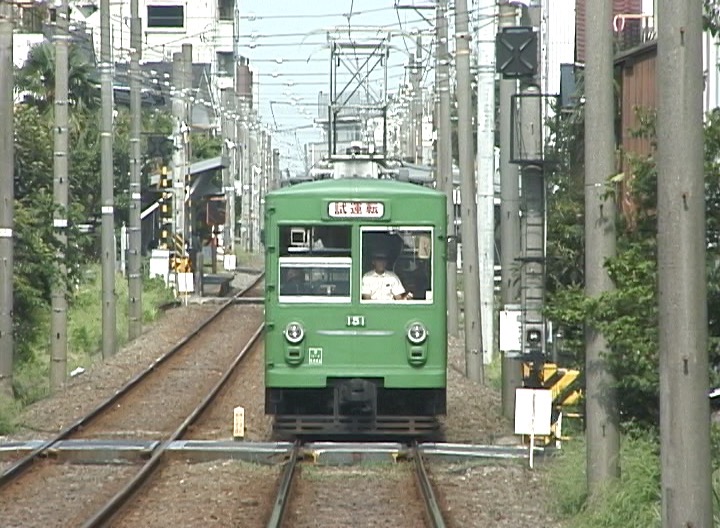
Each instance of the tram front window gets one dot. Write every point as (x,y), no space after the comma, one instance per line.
(314,280)
(396,264)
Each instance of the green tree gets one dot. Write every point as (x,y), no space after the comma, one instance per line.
(36,79)
(628,315)
(711,16)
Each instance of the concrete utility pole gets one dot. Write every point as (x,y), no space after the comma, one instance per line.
(471,275)
(188,232)
(7,200)
(486,173)
(419,103)
(509,225)
(241,175)
(178,161)
(59,305)
(684,406)
(275,170)
(415,128)
(603,441)
(255,172)
(264,184)
(109,325)
(135,308)
(532,274)
(444,158)
(409,118)
(244,103)
(229,135)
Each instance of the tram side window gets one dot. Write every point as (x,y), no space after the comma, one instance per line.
(397,264)
(304,240)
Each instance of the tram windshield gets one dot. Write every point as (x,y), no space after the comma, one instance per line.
(304,279)
(316,241)
(396,264)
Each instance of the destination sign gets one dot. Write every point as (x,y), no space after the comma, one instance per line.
(356,209)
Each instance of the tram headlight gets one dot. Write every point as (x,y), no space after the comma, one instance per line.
(294,333)
(417,333)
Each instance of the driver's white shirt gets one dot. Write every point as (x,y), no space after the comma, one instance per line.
(381,286)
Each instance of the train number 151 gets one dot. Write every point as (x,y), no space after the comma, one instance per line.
(355,320)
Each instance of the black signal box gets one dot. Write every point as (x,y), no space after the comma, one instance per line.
(516,52)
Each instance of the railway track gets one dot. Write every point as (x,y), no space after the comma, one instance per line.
(424,493)
(115,418)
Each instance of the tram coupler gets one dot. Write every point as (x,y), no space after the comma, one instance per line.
(356,396)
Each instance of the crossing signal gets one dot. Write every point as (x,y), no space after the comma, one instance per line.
(516,52)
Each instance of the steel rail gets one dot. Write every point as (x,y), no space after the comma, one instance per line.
(432,508)
(23,464)
(281,500)
(114,505)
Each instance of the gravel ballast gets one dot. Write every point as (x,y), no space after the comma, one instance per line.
(489,494)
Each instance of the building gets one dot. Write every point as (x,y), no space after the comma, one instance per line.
(167,24)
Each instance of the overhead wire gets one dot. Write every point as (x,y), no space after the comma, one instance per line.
(281,40)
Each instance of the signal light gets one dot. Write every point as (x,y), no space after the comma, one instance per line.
(533,336)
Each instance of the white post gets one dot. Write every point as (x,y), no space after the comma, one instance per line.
(123,249)
(485,190)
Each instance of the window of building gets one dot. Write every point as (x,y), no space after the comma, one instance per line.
(396,264)
(165,16)
(226,9)
(225,63)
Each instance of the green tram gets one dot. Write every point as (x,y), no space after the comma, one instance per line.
(356,335)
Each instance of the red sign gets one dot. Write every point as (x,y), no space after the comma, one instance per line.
(356,209)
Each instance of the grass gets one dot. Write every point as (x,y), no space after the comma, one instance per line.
(249,260)
(493,373)
(31,377)
(9,410)
(635,500)
(85,315)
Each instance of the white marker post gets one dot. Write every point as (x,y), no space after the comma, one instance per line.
(533,409)
(185,285)
(239,423)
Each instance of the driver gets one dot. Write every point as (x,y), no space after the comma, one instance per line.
(380,284)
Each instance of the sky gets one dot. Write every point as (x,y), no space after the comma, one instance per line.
(294,32)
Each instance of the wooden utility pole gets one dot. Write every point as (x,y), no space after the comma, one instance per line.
(684,375)
(444,165)
(135,309)
(59,304)
(107,258)
(7,200)
(603,439)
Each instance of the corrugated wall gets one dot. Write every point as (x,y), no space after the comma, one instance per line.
(638,91)
(580,31)
(619,7)
(636,74)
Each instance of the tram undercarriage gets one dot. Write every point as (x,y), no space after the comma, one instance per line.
(356,408)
